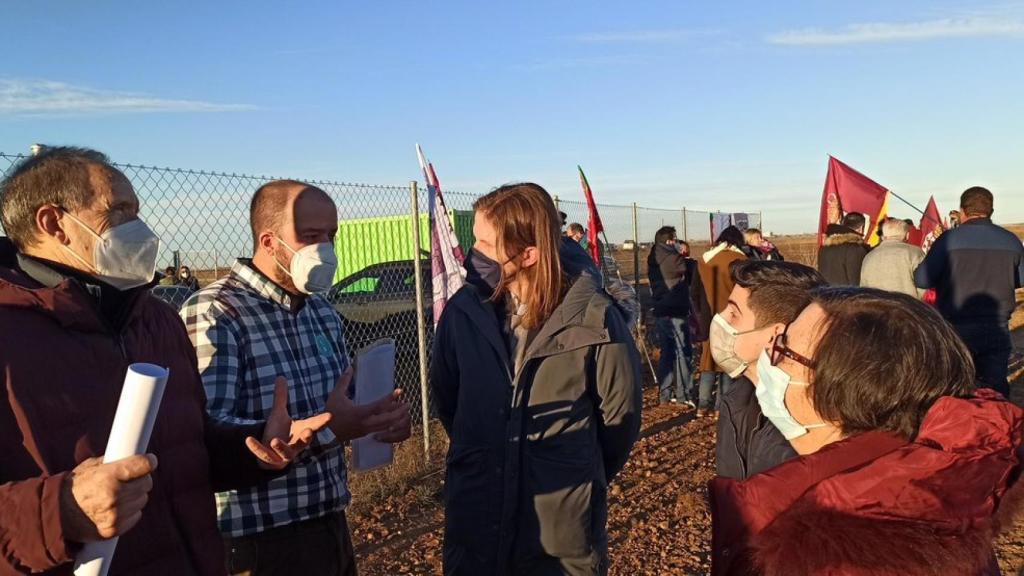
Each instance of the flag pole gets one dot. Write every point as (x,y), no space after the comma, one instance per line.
(905,201)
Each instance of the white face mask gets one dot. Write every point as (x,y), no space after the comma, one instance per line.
(313,267)
(771,396)
(124,256)
(723,346)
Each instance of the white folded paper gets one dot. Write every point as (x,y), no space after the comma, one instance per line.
(129,435)
(375,378)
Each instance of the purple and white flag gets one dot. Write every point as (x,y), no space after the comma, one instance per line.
(446,272)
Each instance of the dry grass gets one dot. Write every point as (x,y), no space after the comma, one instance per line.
(410,468)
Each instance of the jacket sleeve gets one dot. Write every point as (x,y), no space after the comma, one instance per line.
(619,395)
(915,262)
(215,366)
(444,372)
(930,270)
(699,304)
(31,535)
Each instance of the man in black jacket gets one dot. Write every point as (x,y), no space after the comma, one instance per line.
(767,296)
(670,292)
(975,270)
(841,255)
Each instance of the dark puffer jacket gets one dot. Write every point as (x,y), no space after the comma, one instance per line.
(62,363)
(670,282)
(841,256)
(747,443)
(531,454)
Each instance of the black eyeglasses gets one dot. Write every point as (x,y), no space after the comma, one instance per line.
(780,349)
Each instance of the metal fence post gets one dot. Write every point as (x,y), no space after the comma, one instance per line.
(636,261)
(421,323)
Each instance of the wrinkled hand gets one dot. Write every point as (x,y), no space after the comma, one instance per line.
(99,501)
(387,419)
(284,439)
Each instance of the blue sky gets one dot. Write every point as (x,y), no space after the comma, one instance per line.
(663,103)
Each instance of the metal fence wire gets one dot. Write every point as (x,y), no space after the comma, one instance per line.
(202,219)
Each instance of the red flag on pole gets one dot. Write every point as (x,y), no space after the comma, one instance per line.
(931,224)
(594,225)
(847,190)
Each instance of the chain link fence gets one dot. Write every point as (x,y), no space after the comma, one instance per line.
(202,219)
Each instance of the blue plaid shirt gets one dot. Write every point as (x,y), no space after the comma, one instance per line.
(247,331)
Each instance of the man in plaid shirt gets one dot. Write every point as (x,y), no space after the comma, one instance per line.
(264,322)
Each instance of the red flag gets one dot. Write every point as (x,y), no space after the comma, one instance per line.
(847,190)
(931,225)
(594,225)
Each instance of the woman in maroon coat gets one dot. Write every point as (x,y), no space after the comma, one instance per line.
(904,468)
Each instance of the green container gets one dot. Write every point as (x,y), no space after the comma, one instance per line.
(363,242)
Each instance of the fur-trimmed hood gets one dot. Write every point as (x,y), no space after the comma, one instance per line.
(843,238)
(875,504)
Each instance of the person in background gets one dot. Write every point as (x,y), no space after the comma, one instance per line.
(975,270)
(670,293)
(265,324)
(766,297)
(757,248)
(954,219)
(842,253)
(891,265)
(76,311)
(698,307)
(902,470)
(536,379)
(578,233)
(913,234)
(717,281)
(169,278)
(186,279)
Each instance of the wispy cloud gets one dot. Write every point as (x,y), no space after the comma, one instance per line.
(880,32)
(45,97)
(668,36)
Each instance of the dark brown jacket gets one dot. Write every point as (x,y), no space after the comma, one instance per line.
(62,363)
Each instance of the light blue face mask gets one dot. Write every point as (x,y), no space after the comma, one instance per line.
(772,383)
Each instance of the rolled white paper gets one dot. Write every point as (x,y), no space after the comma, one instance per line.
(129,435)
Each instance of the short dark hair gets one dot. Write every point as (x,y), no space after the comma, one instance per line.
(854,220)
(883,359)
(778,290)
(57,175)
(732,236)
(266,211)
(976,201)
(576,227)
(664,234)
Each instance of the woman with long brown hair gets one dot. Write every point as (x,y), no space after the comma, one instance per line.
(537,381)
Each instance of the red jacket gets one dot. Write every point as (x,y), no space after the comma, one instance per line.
(876,504)
(61,367)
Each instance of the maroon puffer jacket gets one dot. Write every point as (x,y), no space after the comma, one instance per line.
(877,505)
(61,368)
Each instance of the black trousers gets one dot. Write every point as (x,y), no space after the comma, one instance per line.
(318,547)
(990,347)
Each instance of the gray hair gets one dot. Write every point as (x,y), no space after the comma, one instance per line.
(894,229)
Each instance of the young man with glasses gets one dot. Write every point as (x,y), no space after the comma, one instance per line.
(767,296)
